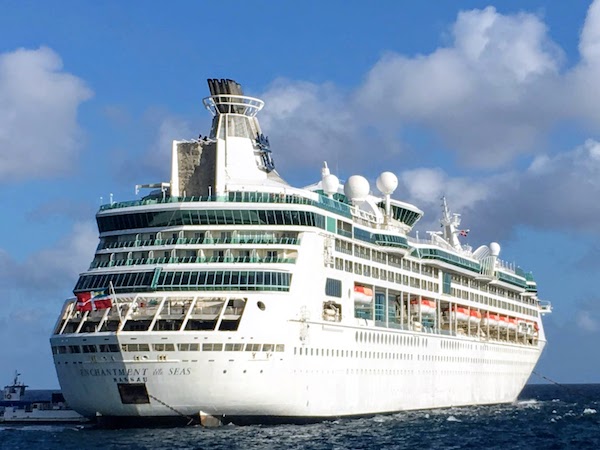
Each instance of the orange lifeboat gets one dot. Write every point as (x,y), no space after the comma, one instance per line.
(474,317)
(425,306)
(460,314)
(490,320)
(363,295)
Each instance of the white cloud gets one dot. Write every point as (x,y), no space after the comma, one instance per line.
(39,135)
(493,94)
(169,128)
(66,259)
(553,193)
(310,123)
(50,270)
(32,293)
(153,164)
(430,185)
(586,322)
(589,43)
(486,95)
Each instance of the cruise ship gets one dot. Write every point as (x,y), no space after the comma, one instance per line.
(225,295)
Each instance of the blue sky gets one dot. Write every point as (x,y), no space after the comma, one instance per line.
(494,105)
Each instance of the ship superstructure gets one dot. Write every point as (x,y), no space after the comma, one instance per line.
(227,294)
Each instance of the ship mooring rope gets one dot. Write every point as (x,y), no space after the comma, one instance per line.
(549,380)
(192,419)
(565,387)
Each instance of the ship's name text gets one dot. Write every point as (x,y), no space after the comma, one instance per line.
(134,375)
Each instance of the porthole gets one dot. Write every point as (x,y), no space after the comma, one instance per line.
(261,305)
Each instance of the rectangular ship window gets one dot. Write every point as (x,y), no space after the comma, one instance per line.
(161,347)
(133,394)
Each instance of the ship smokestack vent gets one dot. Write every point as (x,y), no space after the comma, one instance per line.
(224,87)
(227,97)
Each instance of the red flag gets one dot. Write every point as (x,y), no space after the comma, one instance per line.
(101,300)
(102,303)
(84,301)
(92,301)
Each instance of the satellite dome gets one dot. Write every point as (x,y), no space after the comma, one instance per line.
(387,183)
(356,188)
(495,249)
(330,184)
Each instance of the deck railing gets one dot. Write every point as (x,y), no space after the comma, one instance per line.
(191,260)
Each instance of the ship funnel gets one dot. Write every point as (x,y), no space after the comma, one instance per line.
(227,97)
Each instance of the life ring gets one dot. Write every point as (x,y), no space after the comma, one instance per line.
(8,396)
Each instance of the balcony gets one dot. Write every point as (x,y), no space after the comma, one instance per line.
(191,260)
(255,240)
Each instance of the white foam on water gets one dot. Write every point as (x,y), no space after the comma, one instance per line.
(452,419)
(532,401)
(589,411)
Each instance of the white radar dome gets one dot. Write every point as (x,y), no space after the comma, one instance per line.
(495,249)
(387,183)
(330,184)
(356,188)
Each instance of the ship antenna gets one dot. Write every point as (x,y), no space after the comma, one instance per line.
(445,210)
(450,223)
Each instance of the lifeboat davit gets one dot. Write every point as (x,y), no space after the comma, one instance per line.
(490,320)
(522,327)
(425,306)
(363,295)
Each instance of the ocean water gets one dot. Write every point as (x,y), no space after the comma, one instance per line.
(544,417)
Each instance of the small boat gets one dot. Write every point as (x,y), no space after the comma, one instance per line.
(474,317)
(363,295)
(425,306)
(459,314)
(490,320)
(512,324)
(19,407)
(503,322)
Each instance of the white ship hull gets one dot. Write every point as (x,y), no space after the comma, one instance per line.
(248,387)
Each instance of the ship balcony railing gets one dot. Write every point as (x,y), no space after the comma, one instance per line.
(242,197)
(200,241)
(191,260)
(344,233)
(340,249)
